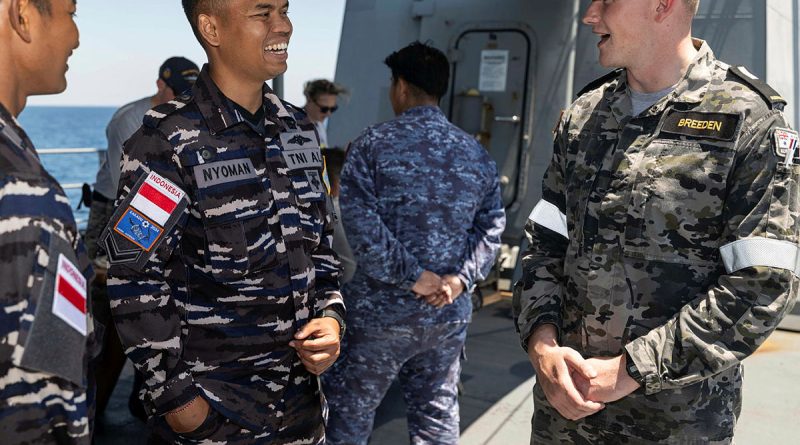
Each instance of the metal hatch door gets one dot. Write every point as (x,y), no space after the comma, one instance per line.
(490,93)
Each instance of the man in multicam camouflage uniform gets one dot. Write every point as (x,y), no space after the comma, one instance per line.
(422,209)
(45,330)
(223,285)
(664,250)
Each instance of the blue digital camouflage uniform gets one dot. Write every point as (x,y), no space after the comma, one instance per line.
(417,193)
(671,236)
(207,300)
(43,358)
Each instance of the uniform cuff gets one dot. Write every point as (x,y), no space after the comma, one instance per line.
(468,285)
(526,331)
(645,363)
(173,394)
(409,282)
(328,298)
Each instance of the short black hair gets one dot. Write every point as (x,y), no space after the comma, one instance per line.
(44,7)
(193,9)
(423,66)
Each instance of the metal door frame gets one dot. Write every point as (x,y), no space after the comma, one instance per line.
(527,112)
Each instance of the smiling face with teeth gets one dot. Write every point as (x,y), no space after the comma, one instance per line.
(252,38)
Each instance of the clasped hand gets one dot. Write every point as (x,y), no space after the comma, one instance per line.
(438,291)
(574,386)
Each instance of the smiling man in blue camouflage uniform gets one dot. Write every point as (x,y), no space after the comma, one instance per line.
(223,284)
(422,210)
(665,249)
(46,332)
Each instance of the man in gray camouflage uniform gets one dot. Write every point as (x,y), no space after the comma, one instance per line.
(223,284)
(664,250)
(422,209)
(46,333)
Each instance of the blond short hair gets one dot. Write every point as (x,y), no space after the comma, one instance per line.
(692,5)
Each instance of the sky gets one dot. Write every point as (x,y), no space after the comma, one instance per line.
(123,43)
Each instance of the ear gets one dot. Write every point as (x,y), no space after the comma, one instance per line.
(664,9)
(208,27)
(19,14)
(402,87)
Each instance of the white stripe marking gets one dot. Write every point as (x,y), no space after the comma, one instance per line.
(765,252)
(548,215)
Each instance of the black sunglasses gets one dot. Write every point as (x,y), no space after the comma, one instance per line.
(326,109)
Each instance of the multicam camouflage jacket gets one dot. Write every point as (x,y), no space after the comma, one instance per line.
(672,235)
(418,194)
(46,333)
(220,252)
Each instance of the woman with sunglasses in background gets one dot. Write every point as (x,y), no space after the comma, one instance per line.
(321,96)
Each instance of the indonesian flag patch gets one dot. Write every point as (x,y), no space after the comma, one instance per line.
(143,220)
(157,198)
(69,300)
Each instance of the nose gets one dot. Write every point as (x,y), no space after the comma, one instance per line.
(77,37)
(284,25)
(592,15)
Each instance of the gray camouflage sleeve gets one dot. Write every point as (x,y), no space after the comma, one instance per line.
(116,133)
(145,312)
(538,294)
(759,250)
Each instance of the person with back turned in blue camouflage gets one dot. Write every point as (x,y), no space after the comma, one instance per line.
(665,248)
(223,284)
(46,332)
(421,206)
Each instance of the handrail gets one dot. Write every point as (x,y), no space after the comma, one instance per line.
(68,151)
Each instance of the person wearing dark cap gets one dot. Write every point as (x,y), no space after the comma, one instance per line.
(175,77)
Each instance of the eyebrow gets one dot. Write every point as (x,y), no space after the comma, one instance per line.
(269,6)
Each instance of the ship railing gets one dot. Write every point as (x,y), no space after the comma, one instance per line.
(73,151)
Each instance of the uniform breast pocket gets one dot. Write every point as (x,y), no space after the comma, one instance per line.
(311,198)
(677,201)
(239,236)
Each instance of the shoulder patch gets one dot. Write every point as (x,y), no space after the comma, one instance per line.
(771,96)
(140,223)
(600,81)
(785,143)
(154,116)
(720,126)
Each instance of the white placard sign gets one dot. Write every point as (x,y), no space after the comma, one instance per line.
(494,70)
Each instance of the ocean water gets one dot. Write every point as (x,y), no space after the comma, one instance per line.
(69,127)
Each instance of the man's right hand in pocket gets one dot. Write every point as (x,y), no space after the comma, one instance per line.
(189,417)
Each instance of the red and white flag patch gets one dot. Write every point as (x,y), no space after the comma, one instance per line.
(69,299)
(786,141)
(157,198)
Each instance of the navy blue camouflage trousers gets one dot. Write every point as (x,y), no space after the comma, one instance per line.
(427,361)
(303,421)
